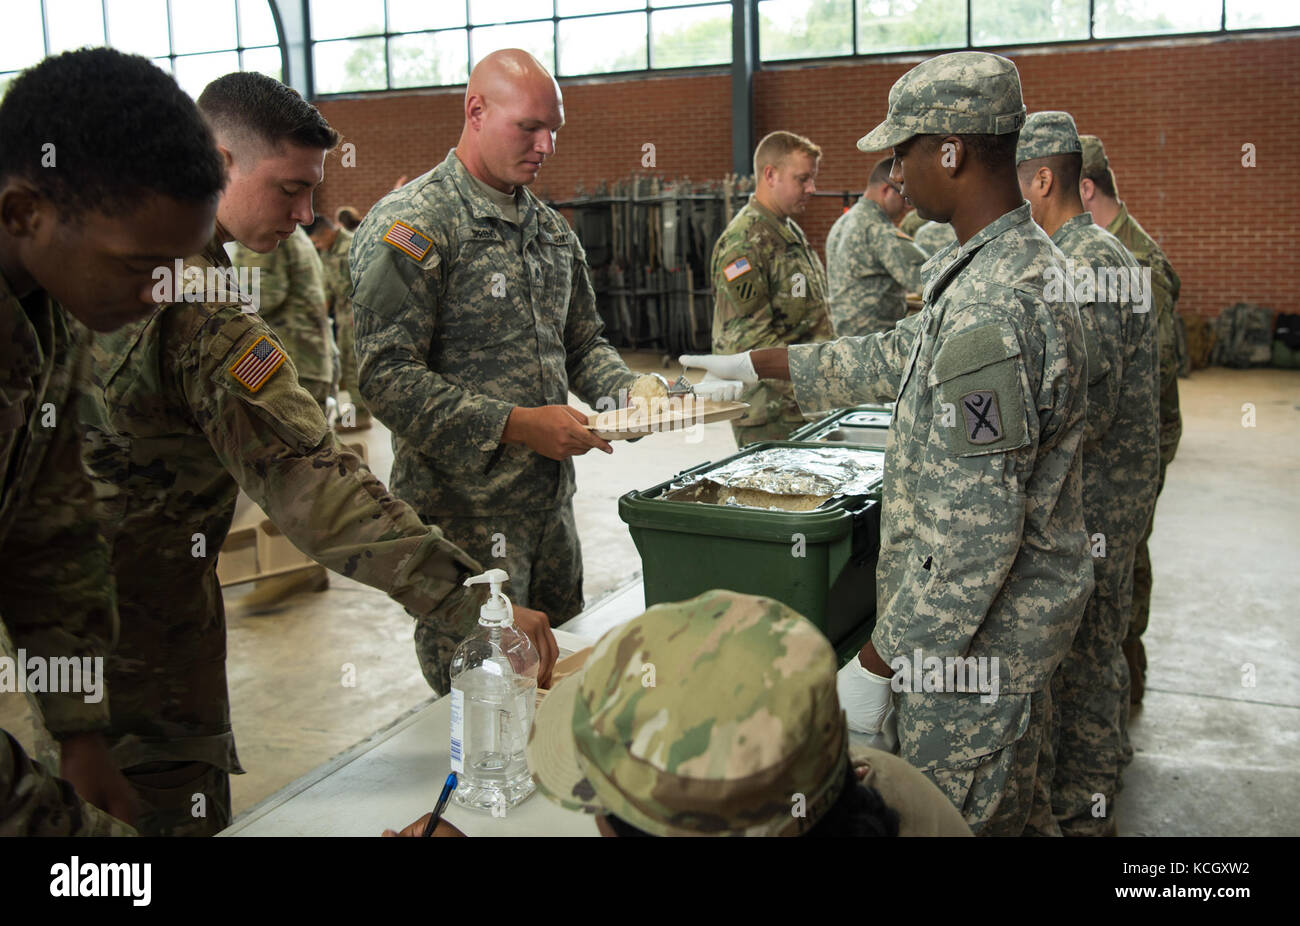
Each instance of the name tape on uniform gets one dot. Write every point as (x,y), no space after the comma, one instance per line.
(736,268)
(407,240)
(257,364)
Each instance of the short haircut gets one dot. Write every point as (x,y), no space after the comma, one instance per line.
(777,146)
(1104,180)
(349,217)
(995,152)
(97,129)
(318,224)
(1065,169)
(248,106)
(880,173)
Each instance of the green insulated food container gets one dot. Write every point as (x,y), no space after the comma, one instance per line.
(822,562)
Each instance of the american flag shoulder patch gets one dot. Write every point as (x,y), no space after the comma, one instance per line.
(255,365)
(736,268)
(407,240)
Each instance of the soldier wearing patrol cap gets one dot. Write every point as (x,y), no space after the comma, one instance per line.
(719,716)
(871,263)
(983,555)
(1120,460)
(1100,197)
(769,283)
(199,400)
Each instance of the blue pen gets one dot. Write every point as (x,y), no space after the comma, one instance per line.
(447,788)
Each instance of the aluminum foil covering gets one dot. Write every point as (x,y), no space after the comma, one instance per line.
(809,471)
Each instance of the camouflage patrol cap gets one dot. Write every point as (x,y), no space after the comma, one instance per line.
(714,716)
(964,93)
(1094,155)
(1045,134)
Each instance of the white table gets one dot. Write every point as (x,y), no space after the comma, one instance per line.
(395,776)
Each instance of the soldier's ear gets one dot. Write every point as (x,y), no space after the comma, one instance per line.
(22,208)
(951,152)
(1086,189)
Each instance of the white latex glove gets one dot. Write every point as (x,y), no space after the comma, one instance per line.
(719,390)
(887,738)
(865,697)
(722,366)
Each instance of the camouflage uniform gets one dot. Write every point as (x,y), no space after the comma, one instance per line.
(770,291)
(462,316)
(748,723)
(179,420)
(871,265)
(933,237)
(35,803)
(56,591)
(338,292)
(1120,459)
(982,550)
(293,303)
(911,222)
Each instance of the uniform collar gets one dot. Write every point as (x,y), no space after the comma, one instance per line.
(940,274)
(1071,225)
(479,205)
(870,204)
(1120,218)
(21,354)
(786,227)
(214,252)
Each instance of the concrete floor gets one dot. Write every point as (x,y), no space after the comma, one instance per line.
(1215,756)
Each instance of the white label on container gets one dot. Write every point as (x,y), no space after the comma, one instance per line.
(457,731)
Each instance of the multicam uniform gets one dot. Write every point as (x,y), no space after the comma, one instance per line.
(184,409)
(770,292)
(462,315)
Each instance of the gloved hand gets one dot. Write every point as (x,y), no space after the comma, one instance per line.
(719,390)
(865,697)
(887,738)
(722,366)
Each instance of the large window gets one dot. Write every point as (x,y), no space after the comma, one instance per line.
(360,45)
(826,28)
(195,40)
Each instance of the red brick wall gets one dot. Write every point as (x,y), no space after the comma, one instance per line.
(1174,118)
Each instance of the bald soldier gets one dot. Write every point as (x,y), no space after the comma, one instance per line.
(871,263)
(475,316)
(1100,197)
(77,244)
(983,559)
(1120,461)
(769,285)
(199,400)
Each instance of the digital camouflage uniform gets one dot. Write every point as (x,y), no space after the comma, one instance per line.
(714,716)
(56,591)
(182,414)
(770,291)
(933,237)
(911,222)
(292,301)
(338,292)
(870,265)
(1120,460)
(462,316)
(982,549)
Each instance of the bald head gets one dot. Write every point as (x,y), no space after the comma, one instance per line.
(513,108)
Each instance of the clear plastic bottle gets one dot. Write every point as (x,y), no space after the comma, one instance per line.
(493,698)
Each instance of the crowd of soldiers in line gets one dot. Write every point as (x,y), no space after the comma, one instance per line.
(465,308)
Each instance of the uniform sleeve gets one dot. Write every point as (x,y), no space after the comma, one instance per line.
(57,597)
(35,803)
(900,256)
(594,367)
(1102,341)
(1164,283)
(742,312)
(395,307)
(275,442)
(853,371)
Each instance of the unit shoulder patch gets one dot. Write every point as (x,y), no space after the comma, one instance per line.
(412,243)
(983,422)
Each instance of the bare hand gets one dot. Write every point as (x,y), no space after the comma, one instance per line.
(85,762)
(417,828)
(555,431)
(538,627)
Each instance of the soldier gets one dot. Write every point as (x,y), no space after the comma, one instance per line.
(983,557)
(106,169)
(292,301)
(475,317)
(871,263)
(332,243)
(1120,462)
(933,237)
(779,691)
(911,222)
(1098,191)
(769,285)
(197,401)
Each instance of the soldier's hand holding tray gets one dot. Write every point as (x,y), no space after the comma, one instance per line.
(555,431)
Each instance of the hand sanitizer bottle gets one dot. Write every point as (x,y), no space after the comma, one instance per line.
(493,697)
